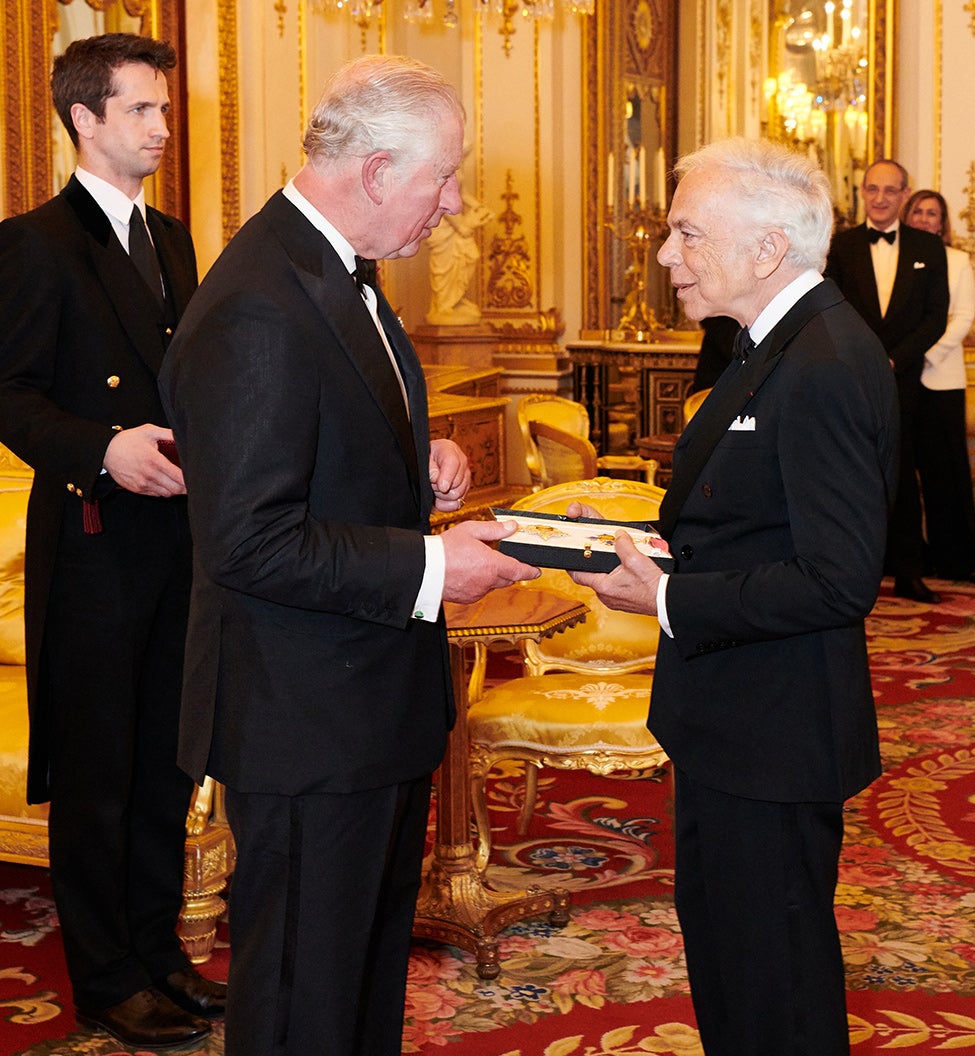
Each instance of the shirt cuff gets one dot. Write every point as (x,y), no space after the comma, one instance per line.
(427,604)
(662,605)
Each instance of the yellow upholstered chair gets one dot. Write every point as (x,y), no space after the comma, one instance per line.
(556,411)
(582,703)
(209,856)
(562,456)
(693,402)
(568,416)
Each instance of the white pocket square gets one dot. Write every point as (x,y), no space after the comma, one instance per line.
(918,264)
(740,424)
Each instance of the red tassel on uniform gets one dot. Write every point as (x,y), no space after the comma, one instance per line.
(92,517)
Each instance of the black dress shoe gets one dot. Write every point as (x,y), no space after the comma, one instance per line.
(916,589)
(192,992)
(147,1019)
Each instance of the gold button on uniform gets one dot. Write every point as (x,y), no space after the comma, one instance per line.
(113,381)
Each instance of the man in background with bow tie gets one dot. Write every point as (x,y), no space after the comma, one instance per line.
(776,518)
(317,677)
(897,279)
(89,297)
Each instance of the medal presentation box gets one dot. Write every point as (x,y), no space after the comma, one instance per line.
(582,545)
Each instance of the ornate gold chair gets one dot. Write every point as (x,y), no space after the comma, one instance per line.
(209,855)
(567,416)
(556,411)
(693,402)
(583,700)
(562,456)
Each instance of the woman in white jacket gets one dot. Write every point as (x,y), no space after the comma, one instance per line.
(943,463)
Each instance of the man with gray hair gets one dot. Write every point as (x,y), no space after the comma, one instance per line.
(317,678)
(776,517)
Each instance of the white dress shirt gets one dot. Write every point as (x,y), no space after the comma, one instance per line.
(884,257)
(116,204)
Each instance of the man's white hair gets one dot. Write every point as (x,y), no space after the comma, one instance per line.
(775,187)
(380,102)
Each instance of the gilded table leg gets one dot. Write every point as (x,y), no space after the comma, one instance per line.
(455,906)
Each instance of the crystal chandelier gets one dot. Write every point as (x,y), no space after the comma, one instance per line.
(365,12)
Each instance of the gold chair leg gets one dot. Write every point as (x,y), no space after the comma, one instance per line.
(481,818)
(531,794)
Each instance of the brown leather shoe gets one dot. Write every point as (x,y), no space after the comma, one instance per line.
(194,993)
(147,1019)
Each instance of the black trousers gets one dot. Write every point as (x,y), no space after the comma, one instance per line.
(321,914)
(754,891)
(905,529)
(946,482)
(112,664)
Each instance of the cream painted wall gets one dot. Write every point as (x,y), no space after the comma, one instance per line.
(204,131)
(523,117)
(533,128)
(957,143)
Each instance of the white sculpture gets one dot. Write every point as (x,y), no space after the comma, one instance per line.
(453,256)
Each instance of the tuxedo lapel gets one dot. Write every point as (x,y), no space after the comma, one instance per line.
(865,278)
(736,386)
(331,289)
(904,276)
(730,393)
(413,380)
(136,308)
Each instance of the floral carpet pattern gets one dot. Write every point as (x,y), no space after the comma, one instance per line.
(612,981)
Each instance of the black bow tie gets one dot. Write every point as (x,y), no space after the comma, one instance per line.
(365,273)
(743,344)
(875,236)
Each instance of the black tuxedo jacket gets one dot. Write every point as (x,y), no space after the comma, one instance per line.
(777,516)
(309,497)
(918,310)
(76,313)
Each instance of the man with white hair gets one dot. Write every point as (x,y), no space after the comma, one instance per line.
(776,517)
(317,678)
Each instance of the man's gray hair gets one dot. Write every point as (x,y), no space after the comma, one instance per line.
(775,187)
(380,102)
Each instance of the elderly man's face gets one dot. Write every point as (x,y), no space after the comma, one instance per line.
(420,194)
(710,251)
(884,194)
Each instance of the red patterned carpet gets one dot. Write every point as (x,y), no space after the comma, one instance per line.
(612,982)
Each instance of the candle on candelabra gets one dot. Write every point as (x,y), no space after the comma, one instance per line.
(643,177)
(610,180)
(661,179)
(631,176)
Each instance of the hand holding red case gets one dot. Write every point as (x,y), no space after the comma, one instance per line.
(168,448)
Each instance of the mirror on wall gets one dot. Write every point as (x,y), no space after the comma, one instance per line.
(828,89)
(39,157)
(630,136)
